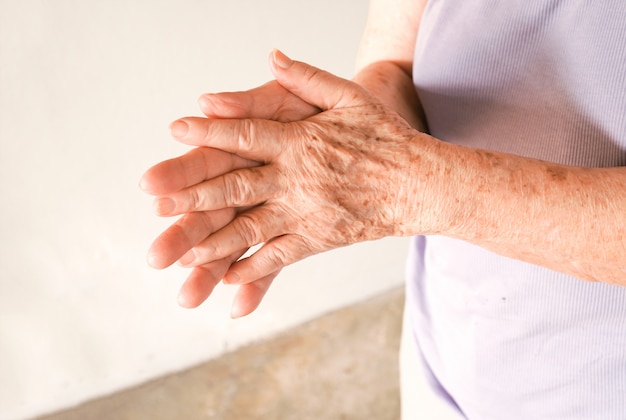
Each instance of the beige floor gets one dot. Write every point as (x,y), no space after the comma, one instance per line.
(343,365)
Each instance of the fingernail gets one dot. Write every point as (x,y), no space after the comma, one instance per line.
(188,258)
(205,103)
(152,260)
(164,205)
(183,301)
(237,310)
(282,60)
(143,184)
(179,128)
(231,278)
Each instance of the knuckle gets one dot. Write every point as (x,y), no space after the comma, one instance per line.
(310,74)
(248,229)
(277,257)
(207,252)
(244,134)
(195,199)
(237,191)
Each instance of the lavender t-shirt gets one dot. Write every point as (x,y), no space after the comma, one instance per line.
(505,339)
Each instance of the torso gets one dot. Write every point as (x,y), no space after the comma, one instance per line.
(545,79)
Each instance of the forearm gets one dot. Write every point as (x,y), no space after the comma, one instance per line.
(357,171)
(392,84)
(568,219)
(385,58)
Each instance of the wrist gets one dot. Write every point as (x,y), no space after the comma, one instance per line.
(426,204)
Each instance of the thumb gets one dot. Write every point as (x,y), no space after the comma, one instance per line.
(317,87)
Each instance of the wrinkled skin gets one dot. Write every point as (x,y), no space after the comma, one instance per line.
(300,187)
(270,101)
(171,176)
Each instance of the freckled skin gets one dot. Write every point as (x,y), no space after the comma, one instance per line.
(557,173)
(341,176)
(358,171)
(338,171)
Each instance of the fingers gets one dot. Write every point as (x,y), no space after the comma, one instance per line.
(248,125)
(241,188)
(199,164)
(200,284)
(188,231)
(203,279)
(250,228)
(315,86)
(271,257)
(254,139)
(270,101)
(250,295)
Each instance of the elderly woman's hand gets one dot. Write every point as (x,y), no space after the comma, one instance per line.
(270,101)
(339,177)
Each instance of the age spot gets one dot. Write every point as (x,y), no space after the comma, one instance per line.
(339,125)
(557,174)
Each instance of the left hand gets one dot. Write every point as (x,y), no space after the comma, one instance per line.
(174,175)
(269,101)
(334,179)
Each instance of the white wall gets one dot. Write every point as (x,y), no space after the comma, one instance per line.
(87,90)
